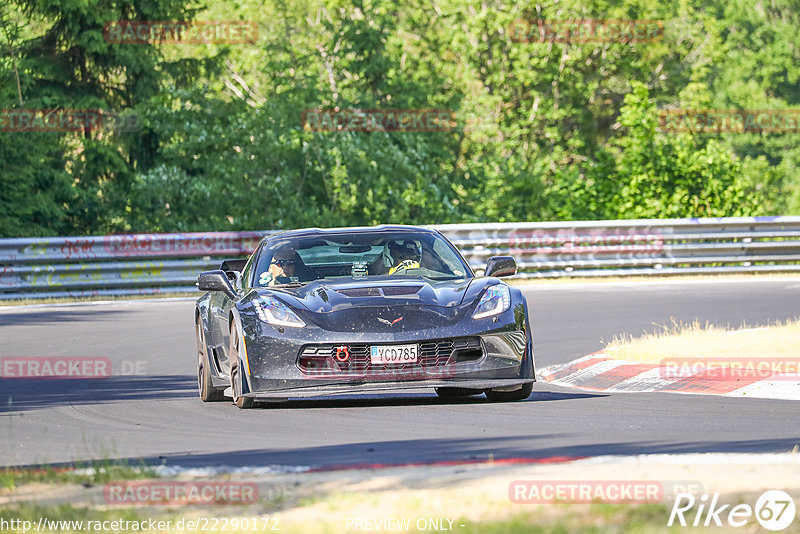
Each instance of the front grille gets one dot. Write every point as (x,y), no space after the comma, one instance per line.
(433,354)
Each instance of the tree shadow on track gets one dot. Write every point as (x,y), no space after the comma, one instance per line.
(40,317)
(400,452)
(510,450)
(30,394)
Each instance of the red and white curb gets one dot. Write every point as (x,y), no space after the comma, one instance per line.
(598,372)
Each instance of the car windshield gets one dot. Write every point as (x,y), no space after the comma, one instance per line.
(358,255)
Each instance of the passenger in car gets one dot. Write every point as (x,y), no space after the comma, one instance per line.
(281,268)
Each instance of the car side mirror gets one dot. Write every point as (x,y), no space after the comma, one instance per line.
(215,281)
(501,266)
(233,265)
(233,269)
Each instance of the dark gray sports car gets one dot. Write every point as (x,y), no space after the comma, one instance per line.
(348,310)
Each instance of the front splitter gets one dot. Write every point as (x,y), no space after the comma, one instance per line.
(339,389)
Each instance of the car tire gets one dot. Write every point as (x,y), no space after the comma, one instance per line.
(208,393)
(457,393)
(507,396)
(236,376)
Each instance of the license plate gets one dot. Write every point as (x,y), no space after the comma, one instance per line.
(393,354)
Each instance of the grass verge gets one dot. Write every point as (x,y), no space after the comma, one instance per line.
(89,474)
(696,340)
(460,499)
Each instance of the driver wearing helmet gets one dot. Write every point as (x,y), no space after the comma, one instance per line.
(405,255)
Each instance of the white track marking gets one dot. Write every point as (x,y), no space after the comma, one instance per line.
(651,380)
(579,377)
(770,389)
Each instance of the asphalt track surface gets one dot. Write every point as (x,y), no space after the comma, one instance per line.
(157,416)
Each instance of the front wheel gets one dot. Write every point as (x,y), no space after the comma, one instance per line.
(236,372)
(507,396)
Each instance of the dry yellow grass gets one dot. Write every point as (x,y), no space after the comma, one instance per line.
(695,340)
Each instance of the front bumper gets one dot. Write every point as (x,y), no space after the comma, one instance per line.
(274,370)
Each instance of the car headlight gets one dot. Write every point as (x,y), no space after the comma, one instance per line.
(496,299)
(273,311)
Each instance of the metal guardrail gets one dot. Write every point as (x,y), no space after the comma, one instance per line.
(144,264)
(169,263)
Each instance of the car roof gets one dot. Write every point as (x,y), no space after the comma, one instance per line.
(306,232)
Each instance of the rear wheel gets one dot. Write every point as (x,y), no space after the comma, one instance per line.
(237,378)
(507,396)
(457,393)
(208,393)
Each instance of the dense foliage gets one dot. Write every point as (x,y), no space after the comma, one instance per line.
(546,130)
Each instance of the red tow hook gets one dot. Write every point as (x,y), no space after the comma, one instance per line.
(342,353)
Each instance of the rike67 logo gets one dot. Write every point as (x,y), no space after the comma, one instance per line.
(774,510)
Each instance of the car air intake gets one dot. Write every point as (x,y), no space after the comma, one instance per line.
(396,291)
(467,349)
(319,359)
(390,291)
(360,292)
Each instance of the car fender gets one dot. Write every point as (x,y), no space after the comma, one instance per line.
(244,362)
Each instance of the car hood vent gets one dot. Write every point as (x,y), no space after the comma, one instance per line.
(394,291)
(388,291)
(361,292)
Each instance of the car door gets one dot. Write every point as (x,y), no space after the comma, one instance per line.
(218,310)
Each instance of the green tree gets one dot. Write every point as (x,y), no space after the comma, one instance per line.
(64,61)
(668,175)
